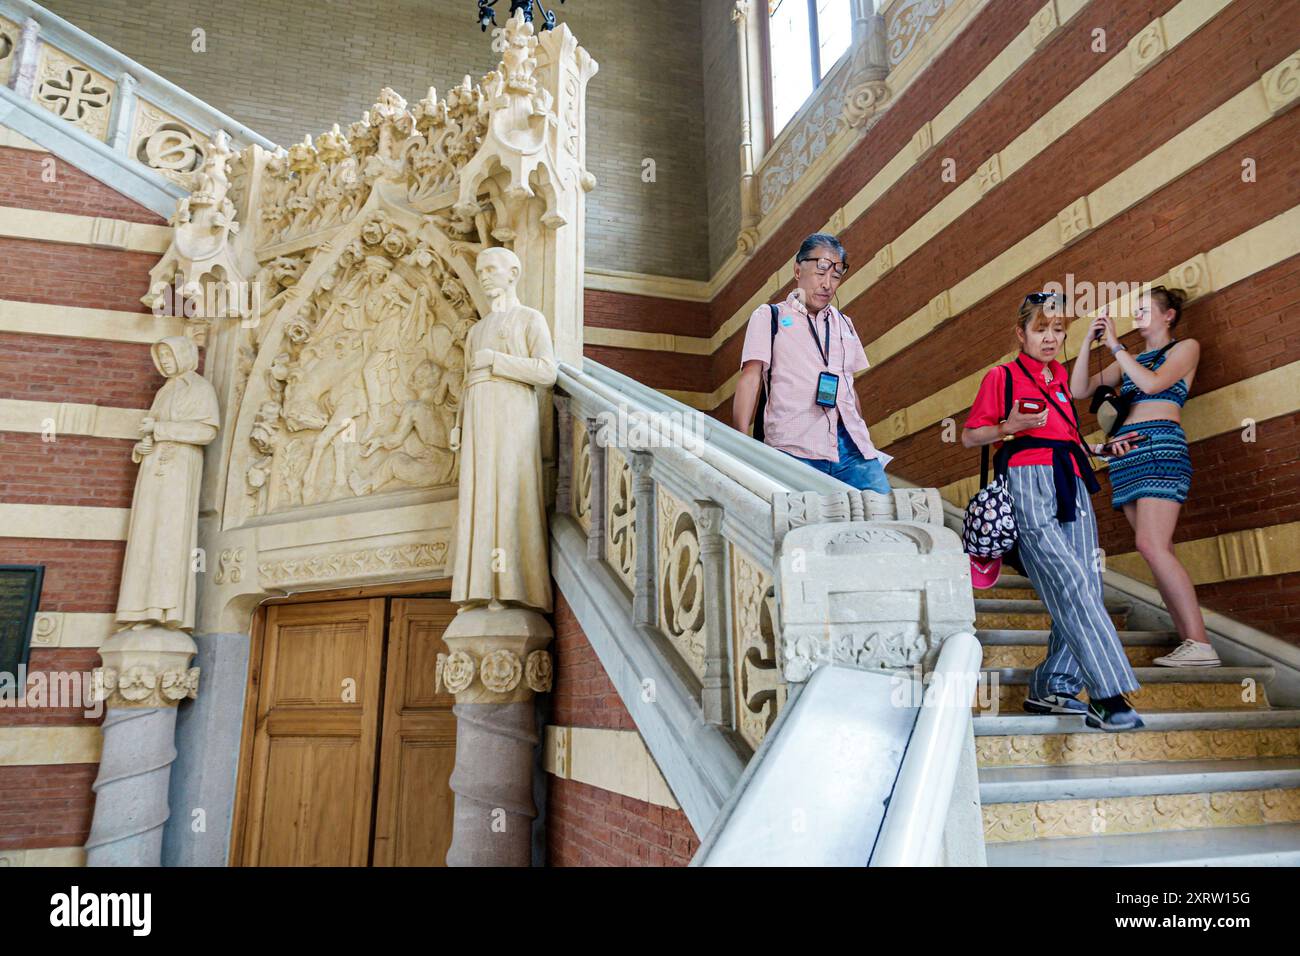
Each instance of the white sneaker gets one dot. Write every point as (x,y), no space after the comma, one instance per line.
(1190,654)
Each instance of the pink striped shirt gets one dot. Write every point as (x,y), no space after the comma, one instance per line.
(794,422)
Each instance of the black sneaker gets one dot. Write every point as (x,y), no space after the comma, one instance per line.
(1056,704)
(1112,713)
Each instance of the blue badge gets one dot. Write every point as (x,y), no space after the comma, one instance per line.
(786,321)
(1060,395)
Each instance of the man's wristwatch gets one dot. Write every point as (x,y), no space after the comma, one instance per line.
(1121,347)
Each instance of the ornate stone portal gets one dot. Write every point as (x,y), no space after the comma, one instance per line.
(334,289)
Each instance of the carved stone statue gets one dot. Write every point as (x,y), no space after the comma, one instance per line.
(502,546)
(158,570)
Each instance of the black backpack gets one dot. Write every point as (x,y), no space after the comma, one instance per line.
(766,382)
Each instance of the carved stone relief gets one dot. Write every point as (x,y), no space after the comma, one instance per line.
(363,393)
(908,22)
(581,473)
(620,522)
(681,580)
(163,142)
(759,688)
(74,92)
(9,36)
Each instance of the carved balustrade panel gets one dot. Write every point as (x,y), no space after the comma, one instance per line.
(582,472)
(73,91)
(680,580)
(620,521)
(760,691)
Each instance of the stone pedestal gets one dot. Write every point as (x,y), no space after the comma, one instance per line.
(495,665)
(146,673)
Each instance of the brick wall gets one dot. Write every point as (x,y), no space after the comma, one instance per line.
(286,68)
(588,826)
(51,805)
(1245,328)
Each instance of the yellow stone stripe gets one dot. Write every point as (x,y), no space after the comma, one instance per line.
(69,418)
(44,856)
(40,746)
(613,760)
(38,318)
(64,521)
(1080,103)
(1246,111)
(1252,553)
(71,629)
(1259,248)
(12,139)
(19,223)
(654,341)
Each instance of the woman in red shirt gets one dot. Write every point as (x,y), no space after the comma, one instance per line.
(1050,479)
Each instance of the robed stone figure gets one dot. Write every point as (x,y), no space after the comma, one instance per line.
(501,542)
(158,571)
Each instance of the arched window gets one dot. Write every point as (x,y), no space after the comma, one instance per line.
(805,38)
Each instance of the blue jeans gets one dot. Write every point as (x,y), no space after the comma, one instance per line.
(865,474)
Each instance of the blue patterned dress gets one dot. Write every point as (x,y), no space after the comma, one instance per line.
(1160,466)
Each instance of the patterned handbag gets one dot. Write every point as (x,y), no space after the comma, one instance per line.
(989,529)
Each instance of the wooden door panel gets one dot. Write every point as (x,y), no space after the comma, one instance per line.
(414,809)
(314,744)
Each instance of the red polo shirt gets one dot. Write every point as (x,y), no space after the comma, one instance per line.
(988,405)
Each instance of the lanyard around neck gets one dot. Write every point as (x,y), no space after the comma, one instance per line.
(812,330)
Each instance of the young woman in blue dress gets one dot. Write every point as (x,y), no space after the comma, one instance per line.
(1151,481)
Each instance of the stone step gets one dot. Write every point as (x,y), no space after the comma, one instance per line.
(994,637)
(988,616)
(1002,592)
(1036,606)
(1276,844)
(1164,688)
(1157,722)
(1045,803)
(1031,655)
(1083,746)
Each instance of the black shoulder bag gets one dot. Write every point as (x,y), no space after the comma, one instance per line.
(766,382)
(1112,407)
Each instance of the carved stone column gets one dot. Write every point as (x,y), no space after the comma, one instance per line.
(23,80)
(643,493)
(146,673)
(716,682)
(596,530)
(496,663)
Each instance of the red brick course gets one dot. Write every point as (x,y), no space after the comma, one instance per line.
(1271,604)
(72,470)
(87,277)
(587,826)
(79,575)
(22,184)
(644,313)
(50,368)
(46,806)
(61,667)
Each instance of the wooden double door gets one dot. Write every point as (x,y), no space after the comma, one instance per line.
(351,750)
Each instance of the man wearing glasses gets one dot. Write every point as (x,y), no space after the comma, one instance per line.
(800,358)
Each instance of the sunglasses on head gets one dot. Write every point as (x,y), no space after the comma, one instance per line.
(1038,298)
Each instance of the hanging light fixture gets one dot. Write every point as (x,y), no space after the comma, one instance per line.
(487,15)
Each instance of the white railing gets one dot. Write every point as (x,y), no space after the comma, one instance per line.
(107,99)
(914,827)
(748,572)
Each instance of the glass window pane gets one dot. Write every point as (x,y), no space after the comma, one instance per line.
(791,59)
(834,31)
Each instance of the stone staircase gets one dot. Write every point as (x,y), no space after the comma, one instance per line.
(1213,779)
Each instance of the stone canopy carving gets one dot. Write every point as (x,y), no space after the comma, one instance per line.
(347,264)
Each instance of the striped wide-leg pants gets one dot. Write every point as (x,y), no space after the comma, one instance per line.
(1083,650)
